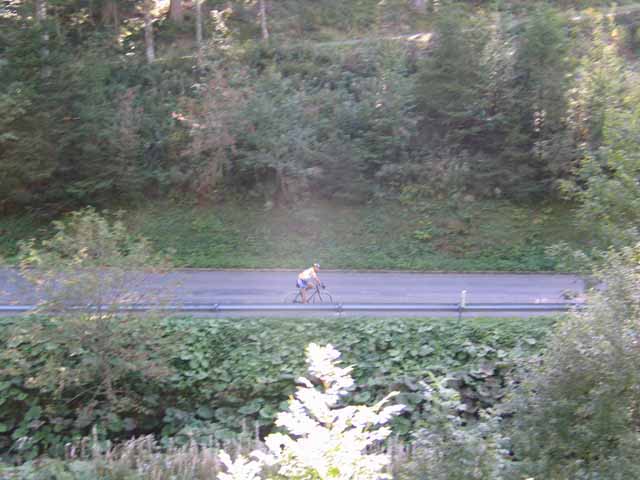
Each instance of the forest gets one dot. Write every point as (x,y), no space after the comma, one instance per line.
(222,107)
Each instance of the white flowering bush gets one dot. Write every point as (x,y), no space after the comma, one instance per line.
(325,440)
(242,469)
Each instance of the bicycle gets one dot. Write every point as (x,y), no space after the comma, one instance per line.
(315,295)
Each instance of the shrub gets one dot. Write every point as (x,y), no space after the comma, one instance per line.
(328,440)
(87,363)
(580,409)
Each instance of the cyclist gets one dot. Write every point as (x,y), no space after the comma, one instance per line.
(307,280)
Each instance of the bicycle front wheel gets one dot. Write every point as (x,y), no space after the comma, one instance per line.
(322,297)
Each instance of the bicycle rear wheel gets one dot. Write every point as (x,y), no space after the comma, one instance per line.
(293,298)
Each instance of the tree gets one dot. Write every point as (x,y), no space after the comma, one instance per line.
(27,138)
(452,80)
(540,111)
(41,23)
(111,12)
(40,11)
(600,82)
(199,23)
(606,118)
(19,169)
(452,99)
(419,5)
(211,119)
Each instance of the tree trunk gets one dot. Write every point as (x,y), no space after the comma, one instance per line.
(41,18)
(116,18)
(176,14)
(263,20)
(199,23)
(148,31)
(110,13)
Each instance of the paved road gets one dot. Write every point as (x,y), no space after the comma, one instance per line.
(202,286)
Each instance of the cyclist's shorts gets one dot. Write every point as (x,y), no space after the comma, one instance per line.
(302,283)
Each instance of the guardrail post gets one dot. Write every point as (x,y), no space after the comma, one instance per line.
(463,303)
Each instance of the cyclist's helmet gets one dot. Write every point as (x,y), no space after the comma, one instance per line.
(316,265)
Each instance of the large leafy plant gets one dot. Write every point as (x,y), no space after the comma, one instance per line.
(445,446)
(230,379)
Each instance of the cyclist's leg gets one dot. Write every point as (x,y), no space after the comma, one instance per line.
(310,291)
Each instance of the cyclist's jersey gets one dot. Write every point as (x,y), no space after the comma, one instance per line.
(307,274)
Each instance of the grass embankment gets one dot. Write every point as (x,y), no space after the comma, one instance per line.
(434,235)
(430,236)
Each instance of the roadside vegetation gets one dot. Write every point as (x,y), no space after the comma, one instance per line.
(229,378)
(416,235)
(87,390)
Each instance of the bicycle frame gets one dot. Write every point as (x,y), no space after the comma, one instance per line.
(314,295)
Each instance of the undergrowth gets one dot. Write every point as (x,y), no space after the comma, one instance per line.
(230,376)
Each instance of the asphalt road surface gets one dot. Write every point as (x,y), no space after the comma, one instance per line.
(215,286)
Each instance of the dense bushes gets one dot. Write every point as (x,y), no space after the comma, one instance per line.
(92,131)
(230,375)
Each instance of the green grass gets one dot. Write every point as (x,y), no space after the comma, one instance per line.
(429,236)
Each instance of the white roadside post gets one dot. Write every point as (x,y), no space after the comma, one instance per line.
(463,303)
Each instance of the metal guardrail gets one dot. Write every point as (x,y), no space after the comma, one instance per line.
(333,307)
